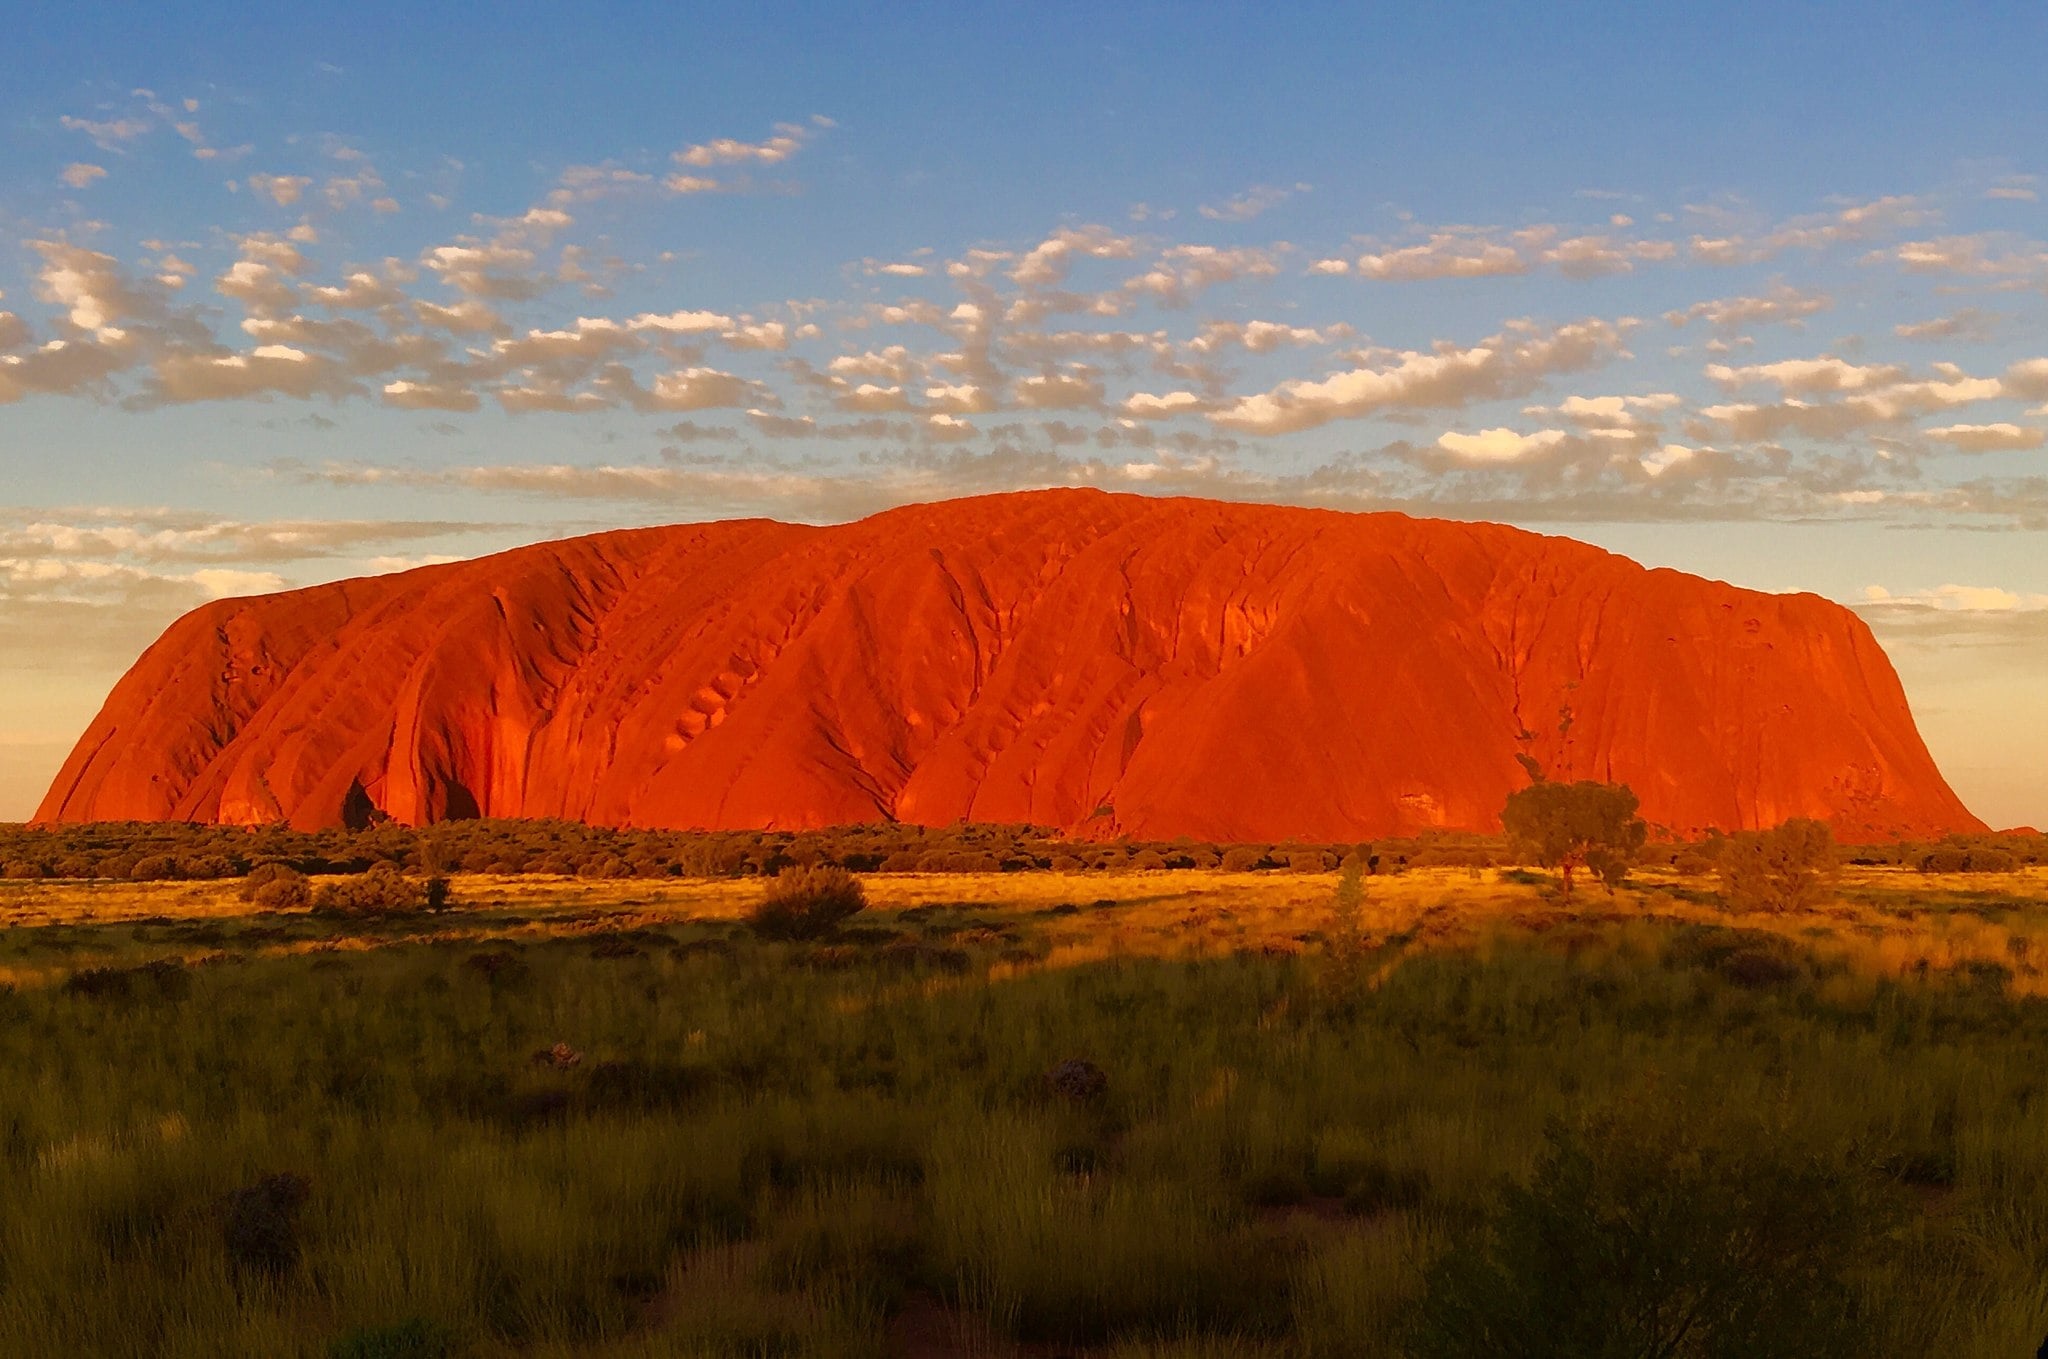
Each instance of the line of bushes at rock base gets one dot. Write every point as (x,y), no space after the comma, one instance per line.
(177,851)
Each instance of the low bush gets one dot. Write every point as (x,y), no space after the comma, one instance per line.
(807,903)
(261,1224)
(382,888)
(1243,859)
(277,887)
(1638,1235)
(415,1339)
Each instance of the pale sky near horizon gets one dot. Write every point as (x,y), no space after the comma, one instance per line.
(1755,291)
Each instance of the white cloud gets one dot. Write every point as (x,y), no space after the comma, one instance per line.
(79,174)
(1989,438)
(1969,324)
(758,335)
(1261,337)
(266,370)
(1444,255)
(1668,458)
(1251,203)
(959,399)
(698,389)
(893,364)
(682,322)
(224,583)
(1958,599)
(463,318)
(1076,389)
(1146,406)
(1183,271)
(360,291)
(1809,376)
(493,270)
(1505,365)
(1046,264)
(419,396)
(108,134)
(787,140)
(1784,304)
(283,190)
(1494,446)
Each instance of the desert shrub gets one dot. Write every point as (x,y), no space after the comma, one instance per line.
(1148,858)
(414,1339)
(1757,968)
(1790,868)
(806,903)
(1077,1080)
(1638,1235)
(381,887)
(162,979)
(1948,859)
(153,868)
(1985,860)
(1242,859)
(261,1224)
(960,861)
(22,869)
(277,887)
(499,967)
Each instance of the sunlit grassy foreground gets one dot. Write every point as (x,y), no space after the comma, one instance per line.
(601,1118)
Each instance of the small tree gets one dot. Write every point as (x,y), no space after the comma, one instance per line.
(1568,826)
(1790,868)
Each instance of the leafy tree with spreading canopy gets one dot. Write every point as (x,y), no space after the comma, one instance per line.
(1568,826)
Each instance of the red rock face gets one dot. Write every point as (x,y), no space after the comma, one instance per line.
(1106,664)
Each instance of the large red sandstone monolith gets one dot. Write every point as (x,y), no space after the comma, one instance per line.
(1072,659)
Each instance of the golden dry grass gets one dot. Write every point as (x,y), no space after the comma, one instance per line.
(1880,922)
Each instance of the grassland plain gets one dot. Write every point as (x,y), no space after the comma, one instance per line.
(1452,1117)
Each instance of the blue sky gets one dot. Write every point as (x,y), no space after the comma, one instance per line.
(1755,291)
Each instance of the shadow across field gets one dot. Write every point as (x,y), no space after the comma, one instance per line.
(1092,1116)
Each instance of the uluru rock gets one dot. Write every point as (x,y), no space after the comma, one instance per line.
(1069,658)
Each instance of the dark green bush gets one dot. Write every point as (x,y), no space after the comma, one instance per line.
(1639,1236)
(415,1339)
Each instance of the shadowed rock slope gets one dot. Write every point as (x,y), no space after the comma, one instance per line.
(1097,662)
